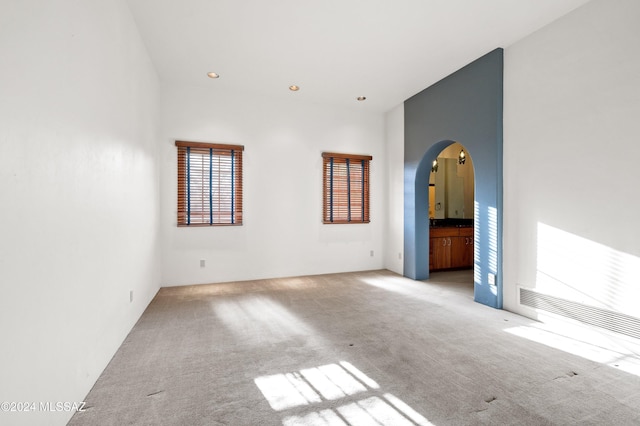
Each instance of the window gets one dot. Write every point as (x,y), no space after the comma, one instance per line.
(345,188)
(209,184)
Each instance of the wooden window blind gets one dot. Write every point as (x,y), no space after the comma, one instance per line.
(209,184)
(345,188)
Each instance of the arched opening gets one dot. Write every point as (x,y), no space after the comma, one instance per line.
(486,229)
(451,203)
(486,221)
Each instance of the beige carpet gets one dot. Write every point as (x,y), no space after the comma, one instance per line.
(368,348)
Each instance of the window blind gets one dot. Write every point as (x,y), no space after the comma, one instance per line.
(209,184)
(345,188)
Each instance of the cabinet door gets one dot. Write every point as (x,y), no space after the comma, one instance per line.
(462,252)
(466,237)
(468,251)
(440,250)
(457,252)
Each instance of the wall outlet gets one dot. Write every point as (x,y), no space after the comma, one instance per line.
(371,253)
(130,296)
(400,255)
(202,263)
(492,279)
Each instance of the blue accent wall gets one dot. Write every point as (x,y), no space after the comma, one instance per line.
(464,107)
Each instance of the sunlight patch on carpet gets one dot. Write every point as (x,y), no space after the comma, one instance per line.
(337,395)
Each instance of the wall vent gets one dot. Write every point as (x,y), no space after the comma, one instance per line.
(603,318)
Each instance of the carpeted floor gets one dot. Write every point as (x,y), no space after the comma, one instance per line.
(368,348)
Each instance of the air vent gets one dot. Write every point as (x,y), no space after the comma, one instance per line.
(603,318)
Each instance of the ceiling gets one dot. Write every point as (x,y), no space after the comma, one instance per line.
(335,50)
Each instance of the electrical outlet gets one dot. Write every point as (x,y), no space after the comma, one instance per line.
(371,253)
(130,296)
(202,263)
(400,255)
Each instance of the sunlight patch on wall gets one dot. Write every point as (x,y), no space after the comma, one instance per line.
(336,394)
(578,269)
(477,264)
(476,231)
(493,239)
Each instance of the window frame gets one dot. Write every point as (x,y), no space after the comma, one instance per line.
(329,213)
(184,216)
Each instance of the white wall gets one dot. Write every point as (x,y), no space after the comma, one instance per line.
(282,234)
(394,152)
(571,152)
(79,189)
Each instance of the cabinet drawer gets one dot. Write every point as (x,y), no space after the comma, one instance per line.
(466,232)
(443,232)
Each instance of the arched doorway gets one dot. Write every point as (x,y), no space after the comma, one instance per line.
(487,229)
(451,211)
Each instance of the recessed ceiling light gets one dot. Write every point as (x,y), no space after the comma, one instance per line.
(213,75)
(294,88)
(361,98)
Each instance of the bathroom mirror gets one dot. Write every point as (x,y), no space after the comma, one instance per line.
(451,186)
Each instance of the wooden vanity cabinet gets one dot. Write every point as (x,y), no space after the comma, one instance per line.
(450,248)
(462,249)
(440,252)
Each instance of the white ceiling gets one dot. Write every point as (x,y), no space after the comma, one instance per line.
(335,50)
